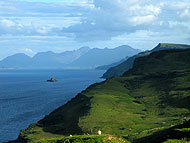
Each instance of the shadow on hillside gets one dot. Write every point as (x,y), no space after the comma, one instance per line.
(171,94)
(164,135)
(64,120)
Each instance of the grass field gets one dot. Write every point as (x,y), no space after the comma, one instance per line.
(86,139)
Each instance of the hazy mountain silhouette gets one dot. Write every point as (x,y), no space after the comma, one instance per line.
(81,58)
(98,57)
(15,61)
(43,59)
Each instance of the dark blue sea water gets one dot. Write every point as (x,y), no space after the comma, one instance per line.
(26,97)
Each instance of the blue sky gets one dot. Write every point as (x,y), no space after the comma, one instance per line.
(31,26)
(50,0)
(44,0)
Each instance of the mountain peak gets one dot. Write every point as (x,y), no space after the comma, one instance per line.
(43,54)
(18,56)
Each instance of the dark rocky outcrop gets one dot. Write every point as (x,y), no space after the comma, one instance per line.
(52,80)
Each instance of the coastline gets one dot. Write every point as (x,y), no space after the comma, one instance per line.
(21,140)
(48,96)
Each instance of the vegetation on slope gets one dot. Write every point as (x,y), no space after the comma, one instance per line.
(86,139)
(161,61)
(133,106)
(123,67)
(120,69)
(106,67)
(175,134)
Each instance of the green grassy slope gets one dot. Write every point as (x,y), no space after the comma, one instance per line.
(120,69)
(133,106)
(161,61)
(128,64)
(175,134)
(86,139)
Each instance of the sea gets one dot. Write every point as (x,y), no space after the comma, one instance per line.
(26,96)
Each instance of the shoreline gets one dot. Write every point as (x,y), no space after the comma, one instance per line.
(62,96)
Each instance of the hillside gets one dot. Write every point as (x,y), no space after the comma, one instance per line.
(123,67)
(128,64)
(175,134)
(85,139)
(134,106)
(106,67)
(161,62)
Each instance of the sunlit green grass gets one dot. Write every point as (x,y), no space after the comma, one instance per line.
(86,139)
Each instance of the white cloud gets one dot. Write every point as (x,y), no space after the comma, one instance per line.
(29,51)
(7,23)
(139,20)
(177,4)
(111,18)
(10,27)
(145,10)
(91,20)
(185,14)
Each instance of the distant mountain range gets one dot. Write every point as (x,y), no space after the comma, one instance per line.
(83,58)
(121,68)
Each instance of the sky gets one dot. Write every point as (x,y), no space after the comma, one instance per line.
(31,26)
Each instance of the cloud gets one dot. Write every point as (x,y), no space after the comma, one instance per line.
(7,23)
(40,18)
(116,17)
(93,22)
(21,8)
(185,15)
(139,20)
(90,20)
(29,51)
(42,30)
(10,27)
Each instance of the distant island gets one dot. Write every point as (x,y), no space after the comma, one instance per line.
(52,80)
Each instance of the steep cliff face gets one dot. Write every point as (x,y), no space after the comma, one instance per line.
(161,61)
(128,64)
